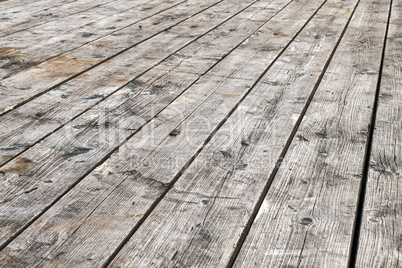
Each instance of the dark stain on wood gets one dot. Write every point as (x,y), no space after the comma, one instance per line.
(5,158)
(174,133)
(306,221)
(134,84)
(19,166)
(40,114)
(76,151)
(225,154)
(87,34)
(241,166)
(245,143)
(302,138)
(16,146)
(321,135)
(155,89)
(94,96)
(204,201)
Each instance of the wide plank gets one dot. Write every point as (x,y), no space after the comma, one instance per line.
(131,175)
(380,243)
(63,155)
(201,220)
(307,217)
(25,49)
(33,121)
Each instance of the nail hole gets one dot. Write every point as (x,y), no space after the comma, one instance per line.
(204,201)
(245,143)
(39,114)
(306,221)
(174,133)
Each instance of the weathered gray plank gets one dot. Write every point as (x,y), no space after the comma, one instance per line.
(53,109)
(17,20)
(18,5)
(200,221)
(223,88)
(307,216)
(31,47)
(380,241)
(65,154)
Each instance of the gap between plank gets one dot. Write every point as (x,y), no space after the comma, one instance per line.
(78,12)
(363,184)
(119,88)
(207,140)
(5,244)
(107,59)
(286,147)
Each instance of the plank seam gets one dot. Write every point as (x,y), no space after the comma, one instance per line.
(72,14)
(5,244)
(104,60)
(189,162)
(119,88)
(264,193)
(363,184)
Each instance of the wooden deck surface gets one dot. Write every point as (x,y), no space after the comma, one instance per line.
(201,133)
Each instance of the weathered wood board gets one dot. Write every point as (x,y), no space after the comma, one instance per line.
(200,133)
(28,49)
(209,87)
(307,217)
(380,239)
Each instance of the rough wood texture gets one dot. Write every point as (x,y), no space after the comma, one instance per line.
(307,217)
(136,179)
(25,18)
(200,221)
(193,133)
(381,231)
(26,49)
(84,150)
(58,106)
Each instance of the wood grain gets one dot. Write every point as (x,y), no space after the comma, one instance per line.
(65,149)
(34,6)
(56,107)
(136,179)
(25,18)
(380,243)
(200,221)
(26,49)
(308,214)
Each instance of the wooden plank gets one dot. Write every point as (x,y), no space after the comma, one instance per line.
(71,22)
(308,214)
(29,48)
(17,5)
(380,243)
(13,21)
(146,182)
(100,141)
(62,104)
(201,219)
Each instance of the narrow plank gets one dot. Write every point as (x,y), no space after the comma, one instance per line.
(201,219)
(147,182)
(29,48)
(55,108)
(381,233)
(62,145)
(23,19)
(317,185)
